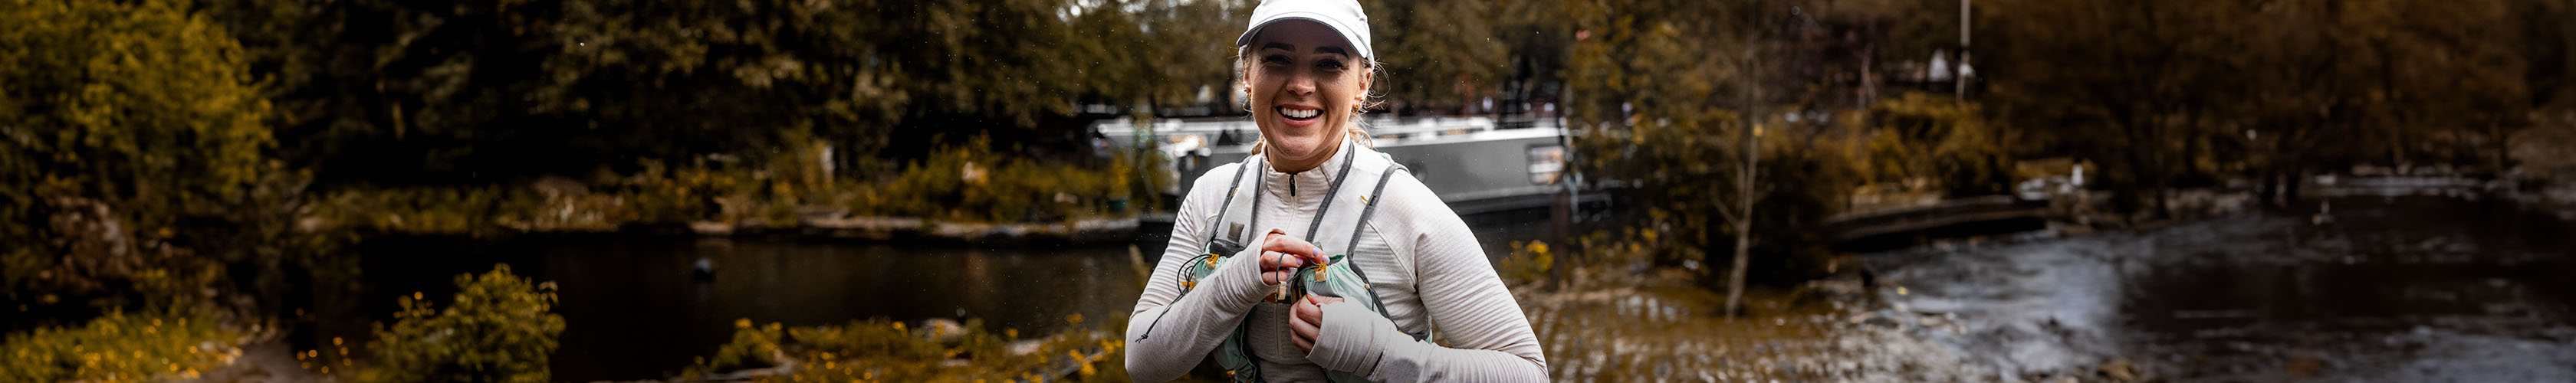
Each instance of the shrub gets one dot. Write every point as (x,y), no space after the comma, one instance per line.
(1944,140)
(130,135)
(118,347)
(973,183)
(882,350)
(1528,264)
(500,329)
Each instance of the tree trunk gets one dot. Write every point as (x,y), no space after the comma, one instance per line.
(1735,279)
(1742,220)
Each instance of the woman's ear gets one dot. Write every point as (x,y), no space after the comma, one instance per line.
(1366,77)
(1243,73)
(1243,77)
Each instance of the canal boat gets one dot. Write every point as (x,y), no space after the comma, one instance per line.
(1476,164)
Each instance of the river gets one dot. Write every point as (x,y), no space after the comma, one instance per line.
(634,309)
(2372,289)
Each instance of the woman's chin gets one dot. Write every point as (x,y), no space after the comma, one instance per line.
(1296,150)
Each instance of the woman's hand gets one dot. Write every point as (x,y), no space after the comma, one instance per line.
(1306,321)
(1281,255)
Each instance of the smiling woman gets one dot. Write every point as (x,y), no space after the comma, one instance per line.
(1423,301)
(1292,90)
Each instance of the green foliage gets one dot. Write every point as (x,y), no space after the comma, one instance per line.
(142,105)
(769,192)
(133,165)
(119,347)
(1528,263)
(1434,58)
(881,350)
(423,210)
(1597,259)
(971,182)
(1191,45)
(392,93)
(500,329)
(1666,95)
(1814,174)
(1940,138)
(2165,95)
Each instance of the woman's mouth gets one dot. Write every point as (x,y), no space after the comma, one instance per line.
(1295,114)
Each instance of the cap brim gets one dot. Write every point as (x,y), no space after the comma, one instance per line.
(1347,37)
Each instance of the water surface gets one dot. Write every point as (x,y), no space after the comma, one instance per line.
(2374,289)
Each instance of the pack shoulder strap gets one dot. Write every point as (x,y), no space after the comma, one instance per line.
(1370,208)
(1232,187)
(1375,194)
(1349,155)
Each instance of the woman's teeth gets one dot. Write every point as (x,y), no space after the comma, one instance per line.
(1299,114)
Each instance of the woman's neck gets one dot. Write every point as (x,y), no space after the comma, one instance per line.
(1293,165)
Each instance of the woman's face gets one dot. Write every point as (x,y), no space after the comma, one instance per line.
(1304,81)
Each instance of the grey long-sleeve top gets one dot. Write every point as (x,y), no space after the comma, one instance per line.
(1418,255)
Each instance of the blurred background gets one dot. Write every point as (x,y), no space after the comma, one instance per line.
(948,190)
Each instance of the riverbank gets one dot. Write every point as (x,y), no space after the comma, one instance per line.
(1610,317)
(2411,287)
(963,192)
(1664,329)
(484,214)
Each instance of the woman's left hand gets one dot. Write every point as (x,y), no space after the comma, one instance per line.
(1306,320)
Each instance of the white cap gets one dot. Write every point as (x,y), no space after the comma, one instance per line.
(1342,15)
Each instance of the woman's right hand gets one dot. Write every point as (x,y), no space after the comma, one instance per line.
(1281,255)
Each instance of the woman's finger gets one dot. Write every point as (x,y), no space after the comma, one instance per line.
(1291,245)
(1275,277)
(1308,310)
(1302,333)
(1271,260)
(1276,268)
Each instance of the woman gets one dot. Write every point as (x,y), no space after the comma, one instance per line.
(1307,66)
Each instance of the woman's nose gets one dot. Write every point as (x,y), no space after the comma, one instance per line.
(1302,83)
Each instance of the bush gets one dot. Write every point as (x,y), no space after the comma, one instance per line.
(1591,255)
(131,137)
(118,347)
(973,183)
(878,349)
(1689,165)
(1528,264)
(1940,139)
(500,329)
(968,183)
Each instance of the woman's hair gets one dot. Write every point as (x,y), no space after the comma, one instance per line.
(1357,128)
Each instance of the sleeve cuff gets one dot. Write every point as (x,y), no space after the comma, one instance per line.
(1241,277)
(1351,340)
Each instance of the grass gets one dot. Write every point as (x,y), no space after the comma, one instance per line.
(881,350)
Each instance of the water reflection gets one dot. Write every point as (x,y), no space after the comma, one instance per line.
(635,310)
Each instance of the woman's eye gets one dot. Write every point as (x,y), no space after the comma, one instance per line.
(1330,65)
(1275,60)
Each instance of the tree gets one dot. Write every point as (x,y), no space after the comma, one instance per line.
(128,132)
(1440,56)
(2198,91)
(393,92)
(1678,98)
